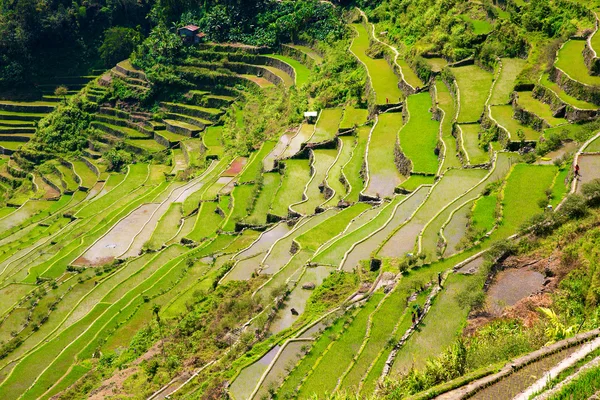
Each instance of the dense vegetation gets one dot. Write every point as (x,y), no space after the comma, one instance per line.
(173,221)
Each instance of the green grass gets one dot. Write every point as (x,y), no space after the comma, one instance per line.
(594,146)
(483,216)
(405,322)
(308,51)
(525,187)
(207,222)
(470,139)
(288,81)
(11,145)
(328,229)
(324,376)
(353,117)
(383,79)
(540,109)
(334,175)
(474,84)
(584,105)
(436,63)
(146,144)
(304,367)
(409,75)
(504,116)
(173,137)
(270,185)
(192,202)
(242,198)
(571,62)
(581,388)
(353,168)
(254,167)
(505,83)
(419,137)
(392,313)
(327,125)
(68,176)
(334,252)
(560,187)
(383,174)
(480,27)
(414,181)
(439,329)
(302,72)
(167,227)
(447,104)
(212,139)
(295,178)
(88,177)
(136,176)
(323,159)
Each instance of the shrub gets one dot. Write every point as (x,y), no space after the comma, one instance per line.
(574,207)
(591,192)
(118,44)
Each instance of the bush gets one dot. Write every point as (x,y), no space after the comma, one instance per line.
(591,192)
(574,207)
(118,44)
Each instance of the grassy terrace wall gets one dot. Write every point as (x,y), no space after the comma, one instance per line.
(570,73)
(240,68)
(561,107)
(382,78)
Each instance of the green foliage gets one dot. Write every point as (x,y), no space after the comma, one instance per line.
(591,192)
(574,207)
(118,44)
(260,117)
(335,289)
(162,47)
(65,129)
(117,159)
(265,23)
(338,80)
(40,39)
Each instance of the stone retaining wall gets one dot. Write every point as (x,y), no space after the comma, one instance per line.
(562,109)
(574,88)
(162,140)
(527,117)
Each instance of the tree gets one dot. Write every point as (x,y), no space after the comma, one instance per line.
(118,44)
(61,91)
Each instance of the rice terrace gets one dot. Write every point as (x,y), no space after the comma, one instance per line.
(248,200)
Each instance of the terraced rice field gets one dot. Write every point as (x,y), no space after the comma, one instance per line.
(447,104)
(571,62)
(352,169)
(335,178)
(568,99)
(322,161)
(409,75)
(381,75)
(327,125)
(419,136)
(540,109)
(474,85)
(504,116)
(469,137)
(353,117)
(111,246)
(302,72)
(295,178)
(383,176)
(505,83)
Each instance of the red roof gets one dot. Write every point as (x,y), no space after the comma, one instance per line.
(200,34)
(192,28)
